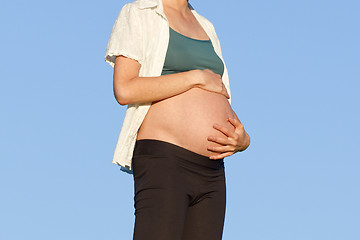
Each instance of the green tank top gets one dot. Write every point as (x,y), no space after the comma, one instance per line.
(185,54)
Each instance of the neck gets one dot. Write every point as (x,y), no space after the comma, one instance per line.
(179,5)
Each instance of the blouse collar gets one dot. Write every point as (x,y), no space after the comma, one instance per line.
(157,4)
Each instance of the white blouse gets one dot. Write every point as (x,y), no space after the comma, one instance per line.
(141,32)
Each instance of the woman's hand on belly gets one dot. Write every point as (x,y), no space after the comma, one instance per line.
(210,81)
(236,141)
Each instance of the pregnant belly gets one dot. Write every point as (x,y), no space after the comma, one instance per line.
(187,120)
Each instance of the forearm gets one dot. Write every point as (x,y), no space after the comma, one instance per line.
(150,89)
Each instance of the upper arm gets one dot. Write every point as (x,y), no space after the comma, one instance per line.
(125,50)
(125,69)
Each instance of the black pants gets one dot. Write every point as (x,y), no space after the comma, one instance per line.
(179,194)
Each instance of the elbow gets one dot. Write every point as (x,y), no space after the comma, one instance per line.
(121,97)
(123,90)
(121,100)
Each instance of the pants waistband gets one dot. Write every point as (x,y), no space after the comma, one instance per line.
(161,148)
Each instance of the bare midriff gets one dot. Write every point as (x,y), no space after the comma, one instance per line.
(187,120)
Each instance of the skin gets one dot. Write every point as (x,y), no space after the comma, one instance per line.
(130,88)
(235,141)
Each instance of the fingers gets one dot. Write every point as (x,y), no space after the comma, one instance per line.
(236,117)
(225,93)
(221,149)
(221,141)
(214,83)
(208,70)
(235,122)
(223,155)
(225,131)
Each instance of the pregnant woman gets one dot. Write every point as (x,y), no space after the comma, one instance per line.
(179,125)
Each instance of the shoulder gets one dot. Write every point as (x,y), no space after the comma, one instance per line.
(139,5)
(131,14)
(139,10)
(142,4)
(128,8)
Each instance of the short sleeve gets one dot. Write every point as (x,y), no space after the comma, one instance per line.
(126,36)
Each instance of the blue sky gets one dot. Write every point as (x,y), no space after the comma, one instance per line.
(294,70)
